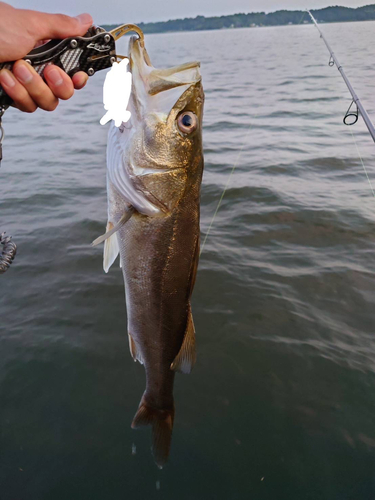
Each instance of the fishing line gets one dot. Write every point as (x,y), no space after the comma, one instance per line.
(229,178)
(351,117)
(225,189)
(303,15)
(363,165)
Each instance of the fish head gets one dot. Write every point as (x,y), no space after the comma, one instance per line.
(162,142)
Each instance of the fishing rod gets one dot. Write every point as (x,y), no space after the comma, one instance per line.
(350,115)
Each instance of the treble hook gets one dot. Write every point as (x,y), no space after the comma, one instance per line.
(8,254)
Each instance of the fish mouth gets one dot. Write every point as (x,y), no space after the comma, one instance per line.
(158,90)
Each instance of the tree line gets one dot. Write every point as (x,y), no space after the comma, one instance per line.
(253,19)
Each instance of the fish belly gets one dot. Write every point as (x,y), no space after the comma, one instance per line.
(157,256)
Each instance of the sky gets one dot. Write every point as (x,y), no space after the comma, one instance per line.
(120,11)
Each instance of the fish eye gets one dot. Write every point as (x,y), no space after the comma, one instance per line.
(187,122)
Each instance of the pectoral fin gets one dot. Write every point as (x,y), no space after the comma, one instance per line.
(112,229)
(185,359)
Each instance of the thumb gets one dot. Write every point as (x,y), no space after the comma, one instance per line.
(61,26)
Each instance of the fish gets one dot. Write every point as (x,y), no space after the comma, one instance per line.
(154,174)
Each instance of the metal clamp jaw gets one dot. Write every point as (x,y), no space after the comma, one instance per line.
(88,53)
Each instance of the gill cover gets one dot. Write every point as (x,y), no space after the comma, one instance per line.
(143,159)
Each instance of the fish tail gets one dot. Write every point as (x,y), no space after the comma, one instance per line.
(162,426)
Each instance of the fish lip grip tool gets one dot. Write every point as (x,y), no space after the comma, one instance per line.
(94,51)
(89,53)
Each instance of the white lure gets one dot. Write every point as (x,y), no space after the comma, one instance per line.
(116,93)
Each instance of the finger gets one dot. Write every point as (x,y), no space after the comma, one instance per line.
(45,25)
(41,42)
(80,80)
(59,82)
(40,93)
(17,92)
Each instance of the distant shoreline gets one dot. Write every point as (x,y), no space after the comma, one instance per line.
(243,27)
(335,14)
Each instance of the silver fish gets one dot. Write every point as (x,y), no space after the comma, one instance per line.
(154,173)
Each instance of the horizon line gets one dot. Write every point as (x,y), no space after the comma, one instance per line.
(246,13)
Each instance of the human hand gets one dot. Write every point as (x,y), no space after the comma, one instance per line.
(20,32)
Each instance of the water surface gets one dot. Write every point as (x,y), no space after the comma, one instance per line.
(281,403)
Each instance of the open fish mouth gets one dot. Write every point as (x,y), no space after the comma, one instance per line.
(157,90)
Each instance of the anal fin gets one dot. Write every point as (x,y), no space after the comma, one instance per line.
(185,359)
(136,355)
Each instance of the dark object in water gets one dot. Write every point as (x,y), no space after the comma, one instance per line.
(8,254)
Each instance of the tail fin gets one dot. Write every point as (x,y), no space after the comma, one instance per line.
(162,425)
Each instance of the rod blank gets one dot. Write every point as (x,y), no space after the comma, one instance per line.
(356,100)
